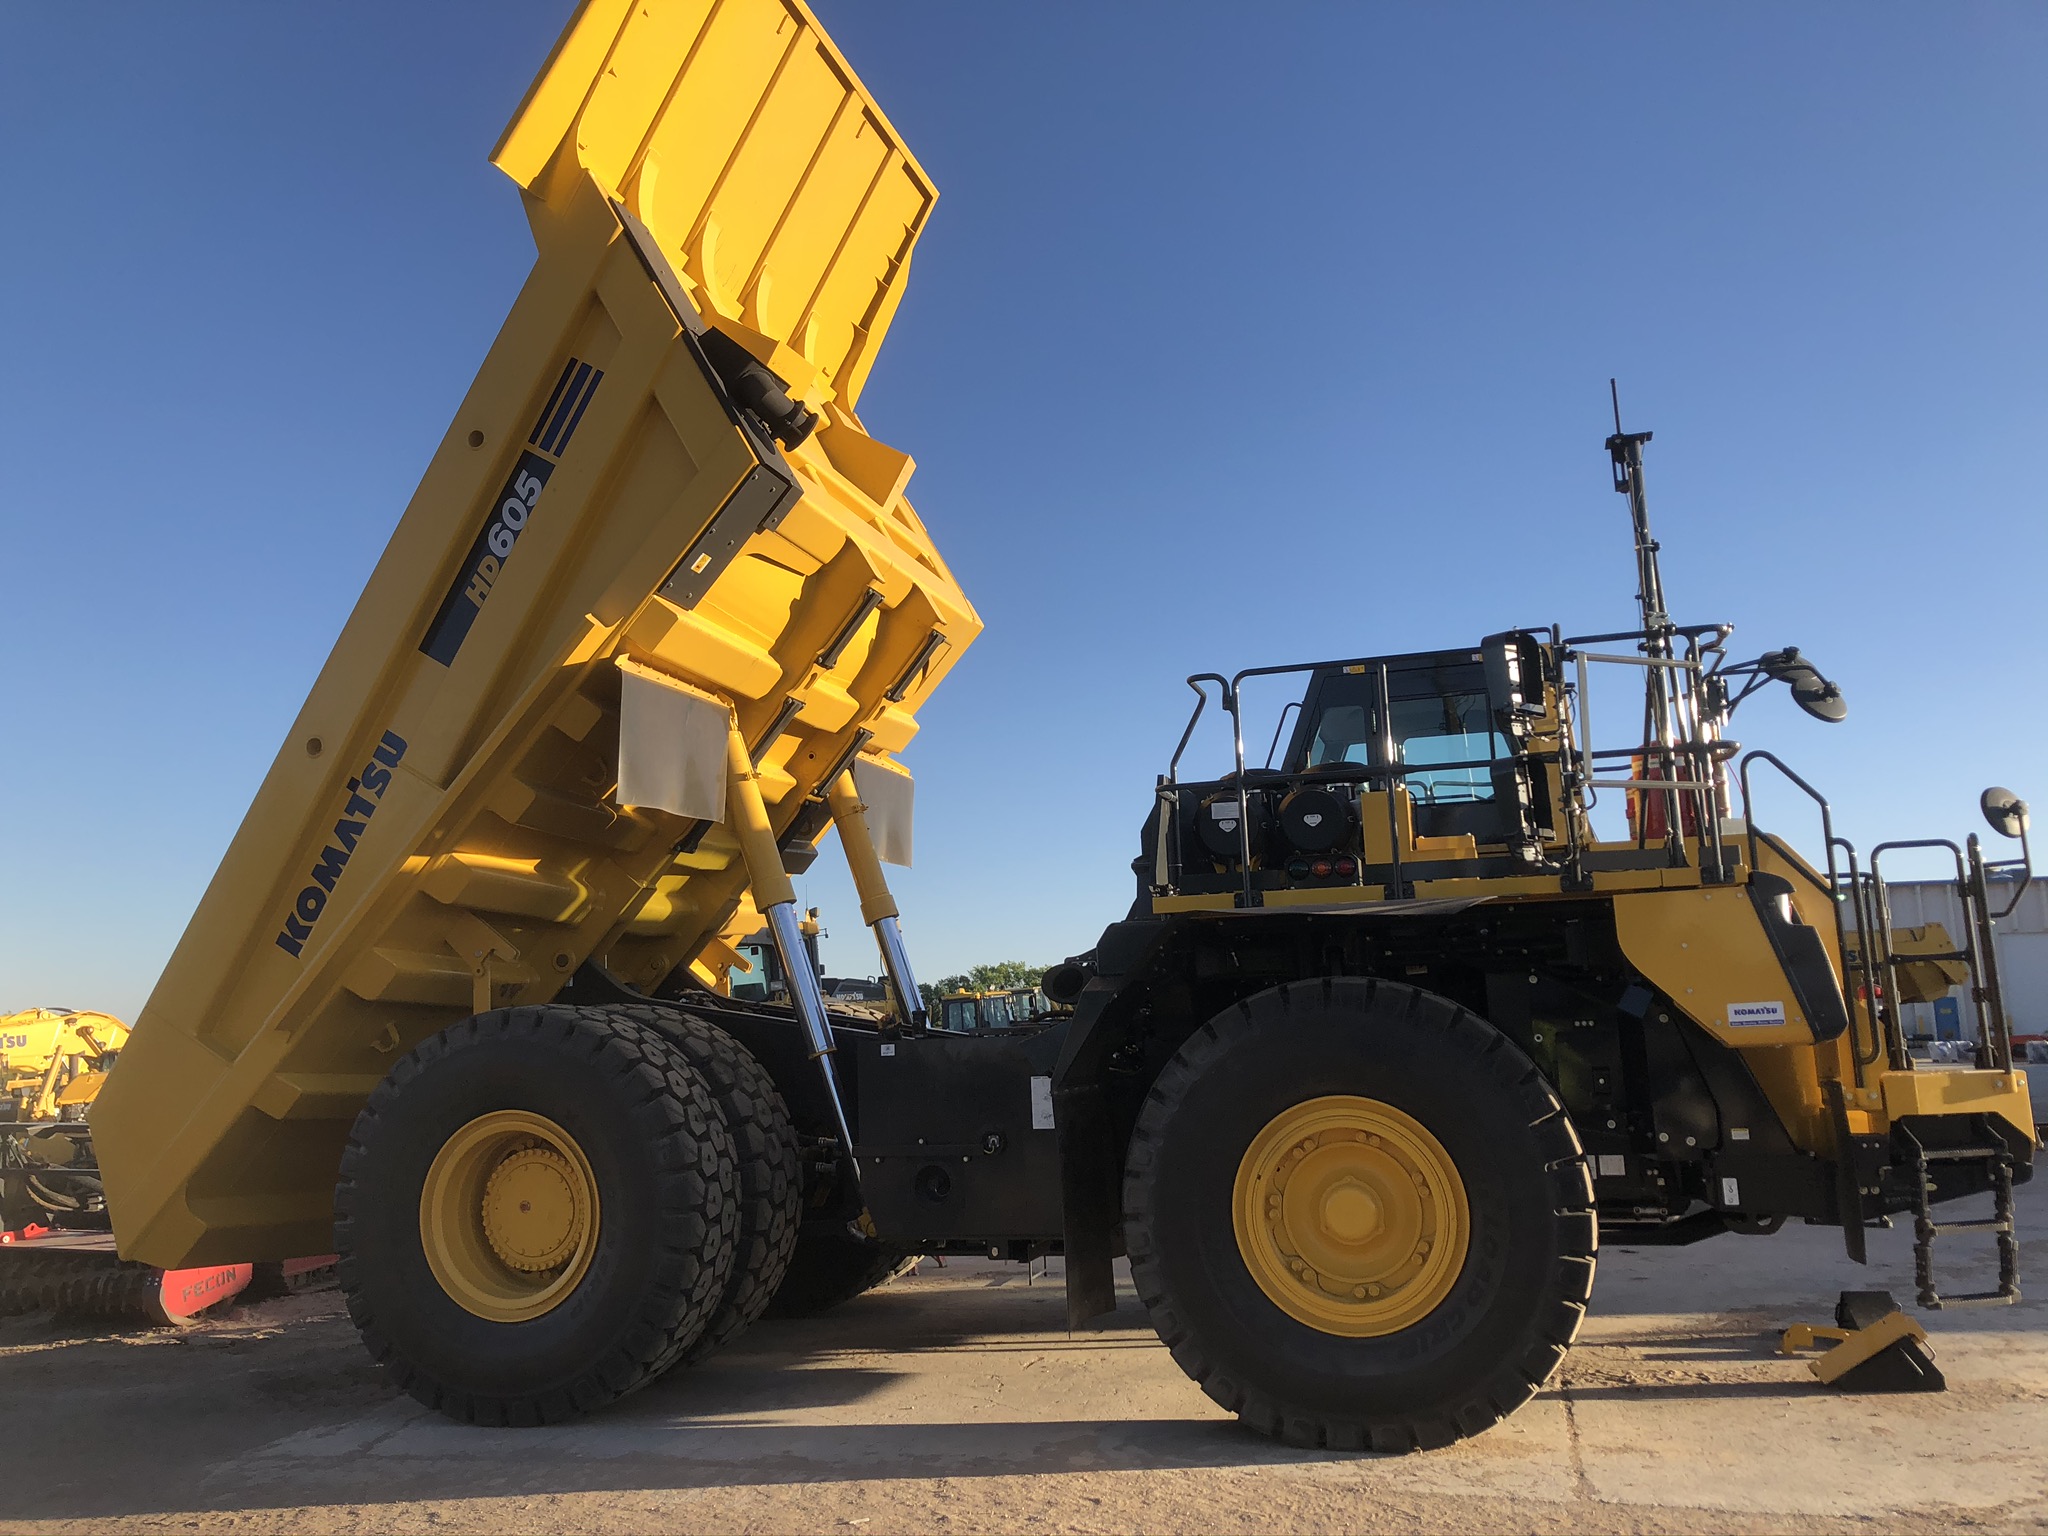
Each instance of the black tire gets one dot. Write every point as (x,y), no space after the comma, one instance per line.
(1515,1305)
(663,1165)
(832,1265)
(765,1152)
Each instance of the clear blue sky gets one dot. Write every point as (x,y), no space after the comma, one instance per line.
(1231,341)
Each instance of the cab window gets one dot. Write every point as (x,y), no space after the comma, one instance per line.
(1440,714)
(1451,728)
(1343,735)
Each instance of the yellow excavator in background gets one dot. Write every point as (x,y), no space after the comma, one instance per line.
(52,1063)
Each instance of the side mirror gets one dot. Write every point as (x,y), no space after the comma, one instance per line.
(1810,691)
(2006,812)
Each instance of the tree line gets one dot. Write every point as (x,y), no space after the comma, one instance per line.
(1002,976)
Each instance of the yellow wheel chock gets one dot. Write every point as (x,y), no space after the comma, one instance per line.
(1877,1348)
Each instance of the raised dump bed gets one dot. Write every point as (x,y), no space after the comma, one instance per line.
(709,188)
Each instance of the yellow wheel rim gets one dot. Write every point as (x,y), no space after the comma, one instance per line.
(1351,1216)
(508,1216)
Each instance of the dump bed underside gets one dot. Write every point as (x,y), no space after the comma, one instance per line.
(440,832)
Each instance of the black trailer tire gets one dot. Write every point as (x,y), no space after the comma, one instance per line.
(1500,1319)
(832,1265)
(765,1153)
(651,1251)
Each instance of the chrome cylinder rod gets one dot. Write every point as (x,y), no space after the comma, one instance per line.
(896,962)
(747,816)
(877,906)
(809,1002)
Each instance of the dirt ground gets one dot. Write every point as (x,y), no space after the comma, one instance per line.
(955,1400)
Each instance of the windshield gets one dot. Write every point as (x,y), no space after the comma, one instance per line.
(1440,714)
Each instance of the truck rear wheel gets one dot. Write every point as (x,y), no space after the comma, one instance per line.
(1359,1216)
(536,1213)
(765,1159)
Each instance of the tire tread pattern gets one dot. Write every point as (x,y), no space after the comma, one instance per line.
(1571,1188)
(673,1112)
(769,1173)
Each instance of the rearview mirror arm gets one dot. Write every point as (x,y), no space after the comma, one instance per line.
(2025,865)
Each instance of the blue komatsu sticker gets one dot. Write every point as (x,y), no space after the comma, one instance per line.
(512,511)
(365,793)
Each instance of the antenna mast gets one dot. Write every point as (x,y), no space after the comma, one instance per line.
(1626,450)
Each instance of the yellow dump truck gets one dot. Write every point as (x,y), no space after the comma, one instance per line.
(1388,1037)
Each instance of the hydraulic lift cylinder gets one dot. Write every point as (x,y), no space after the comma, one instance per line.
(877,907)
(747,815)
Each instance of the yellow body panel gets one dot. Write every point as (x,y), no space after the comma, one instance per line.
(1959,1091)
(1708,951)
(1209,903)
(82,1089)
(1378,830)
(439,831)
(1297,896)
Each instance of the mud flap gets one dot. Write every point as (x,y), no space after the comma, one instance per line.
(1848,1188)
(1091,1182)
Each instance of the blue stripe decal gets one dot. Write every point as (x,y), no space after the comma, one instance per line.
(561,416)
(581,405)
(495,544)
(560,384)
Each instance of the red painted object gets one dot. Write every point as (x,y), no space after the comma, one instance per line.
(188,1292)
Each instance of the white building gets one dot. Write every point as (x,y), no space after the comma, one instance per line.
(2021,943)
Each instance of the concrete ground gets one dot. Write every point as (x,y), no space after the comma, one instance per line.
(956,1400)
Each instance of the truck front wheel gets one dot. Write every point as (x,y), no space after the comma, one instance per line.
(537,1212)
(1359,1216)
